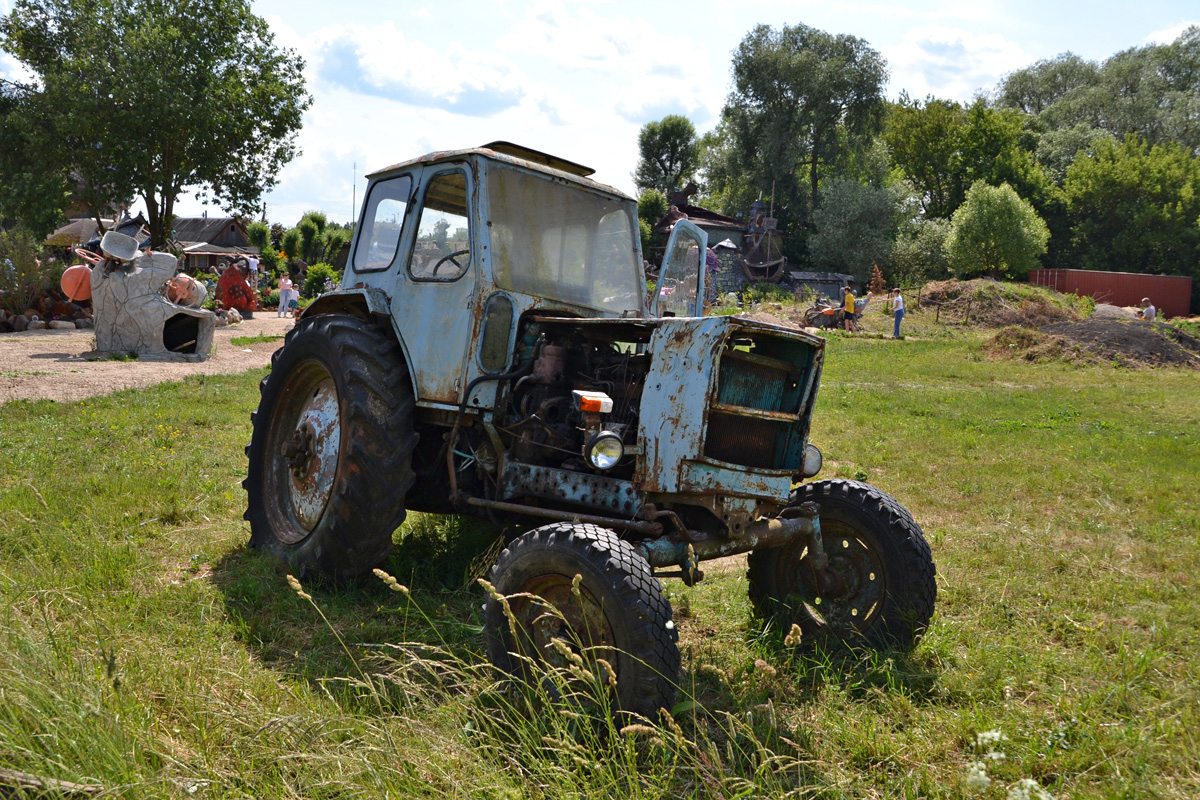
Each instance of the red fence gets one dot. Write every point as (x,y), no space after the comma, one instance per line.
(1170,294)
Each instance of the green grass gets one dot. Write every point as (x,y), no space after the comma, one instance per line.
(242,341)
(143,648)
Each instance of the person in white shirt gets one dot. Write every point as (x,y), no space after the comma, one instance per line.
(898,311)
(252,261)
(1149,312)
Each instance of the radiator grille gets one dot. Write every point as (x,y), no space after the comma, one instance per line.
(738,440)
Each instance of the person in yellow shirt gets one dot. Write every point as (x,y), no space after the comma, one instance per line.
(848,309)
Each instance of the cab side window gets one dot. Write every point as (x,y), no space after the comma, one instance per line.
(442,251)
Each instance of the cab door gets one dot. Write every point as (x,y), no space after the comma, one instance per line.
(433,305)
(680,290)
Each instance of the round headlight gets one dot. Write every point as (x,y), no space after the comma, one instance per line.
(812,461)
(604,450)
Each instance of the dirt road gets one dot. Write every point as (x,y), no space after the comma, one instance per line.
(52,364)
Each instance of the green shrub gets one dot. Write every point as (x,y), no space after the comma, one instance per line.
(321,278)
(268,297)
(763,292)
(995,233)
(25,271)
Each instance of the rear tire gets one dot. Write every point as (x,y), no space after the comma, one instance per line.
(880,583)
(330,453)
(620,613)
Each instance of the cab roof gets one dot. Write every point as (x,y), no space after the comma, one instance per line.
(518,155)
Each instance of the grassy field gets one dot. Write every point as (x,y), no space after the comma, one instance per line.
(144,650)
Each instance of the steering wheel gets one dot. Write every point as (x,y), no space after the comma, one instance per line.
(450,258)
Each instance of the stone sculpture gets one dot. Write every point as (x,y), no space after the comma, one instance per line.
(132,314)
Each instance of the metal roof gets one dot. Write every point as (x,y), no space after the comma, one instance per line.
(533,160)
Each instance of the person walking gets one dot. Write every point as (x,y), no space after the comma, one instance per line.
(897,311)
(285,294)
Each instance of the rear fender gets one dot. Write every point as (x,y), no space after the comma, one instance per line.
(369,305)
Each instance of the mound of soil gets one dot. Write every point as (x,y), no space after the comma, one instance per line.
(1146,343)
(992,304)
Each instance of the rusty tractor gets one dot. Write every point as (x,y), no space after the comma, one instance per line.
(492,351)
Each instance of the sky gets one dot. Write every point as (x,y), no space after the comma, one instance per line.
(393,80)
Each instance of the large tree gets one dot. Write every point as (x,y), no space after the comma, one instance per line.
(147,97)
(942,148)
(1153,91)
(1134,208)
(855,227)
(800,97)
(33,190)
(667,151)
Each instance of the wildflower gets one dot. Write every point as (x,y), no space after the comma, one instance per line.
(765,668)
(793,637)
(989,738)
(977,777)
(297,588)
(1027,789)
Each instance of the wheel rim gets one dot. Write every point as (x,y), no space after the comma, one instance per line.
(304,450)
(849,594)
(549,607)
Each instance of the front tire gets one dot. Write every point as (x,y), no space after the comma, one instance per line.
(617,613)
(880,582)
(330,454)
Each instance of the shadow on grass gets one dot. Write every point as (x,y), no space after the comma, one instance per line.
(797,675)
(434,557)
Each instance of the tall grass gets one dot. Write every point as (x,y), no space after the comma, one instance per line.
(144,650)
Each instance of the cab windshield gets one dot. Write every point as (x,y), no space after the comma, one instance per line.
(563,243)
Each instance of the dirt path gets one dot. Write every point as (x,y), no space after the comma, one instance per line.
(51,365)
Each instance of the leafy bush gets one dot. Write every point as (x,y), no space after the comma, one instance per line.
(652,205)
(268,297)
(321,278)
(995,233)
(24,272)
(763,292)
(919,253)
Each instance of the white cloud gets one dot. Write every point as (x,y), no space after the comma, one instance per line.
(380,61)
(951,63)
(422,13)
(577,37)
(1168,35)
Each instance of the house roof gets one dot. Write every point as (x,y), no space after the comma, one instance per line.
(202,229)
(75,232)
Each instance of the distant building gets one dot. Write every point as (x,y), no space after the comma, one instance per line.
(206,241)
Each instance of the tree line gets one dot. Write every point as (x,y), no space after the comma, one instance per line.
(1066,163)
(143,98)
